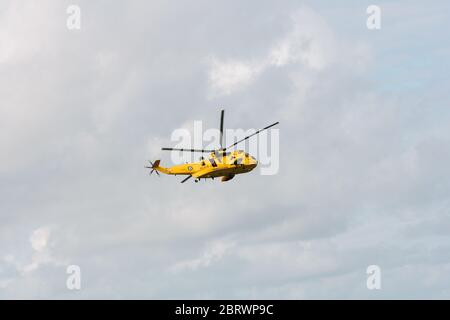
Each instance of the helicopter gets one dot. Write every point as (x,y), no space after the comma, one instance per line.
(220,163)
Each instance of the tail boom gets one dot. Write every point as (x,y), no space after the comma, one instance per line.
(156,167)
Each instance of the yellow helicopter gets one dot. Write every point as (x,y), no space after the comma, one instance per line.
(219,164)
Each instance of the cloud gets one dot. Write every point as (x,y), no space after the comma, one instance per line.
(229,76)
(363,173)
(42,252)
(39,239)
(17,270)
(214,252)
(310,42)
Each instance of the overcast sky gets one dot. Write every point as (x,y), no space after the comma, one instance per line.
(364,132)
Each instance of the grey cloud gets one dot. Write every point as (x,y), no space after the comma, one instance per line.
(363,175)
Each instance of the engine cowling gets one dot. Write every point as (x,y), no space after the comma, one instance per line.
(228,177)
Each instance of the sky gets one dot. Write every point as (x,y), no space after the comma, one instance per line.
(364,148)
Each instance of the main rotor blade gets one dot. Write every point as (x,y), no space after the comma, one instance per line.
(188,150)
(221,128)
(252,135)
(186,179)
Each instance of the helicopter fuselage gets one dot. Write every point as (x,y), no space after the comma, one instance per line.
(220,163)
(217,164)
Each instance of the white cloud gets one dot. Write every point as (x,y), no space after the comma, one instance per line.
(19,41)
(42,255)
(212,254)
(227,77)
(39,239)
(310,42)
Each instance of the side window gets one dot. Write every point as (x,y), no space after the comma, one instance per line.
(213,162)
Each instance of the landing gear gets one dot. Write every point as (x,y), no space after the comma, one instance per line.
(197,180)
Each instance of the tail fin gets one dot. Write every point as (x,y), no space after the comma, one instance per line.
(156,164)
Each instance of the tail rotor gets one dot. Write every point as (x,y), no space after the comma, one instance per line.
(153,167)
